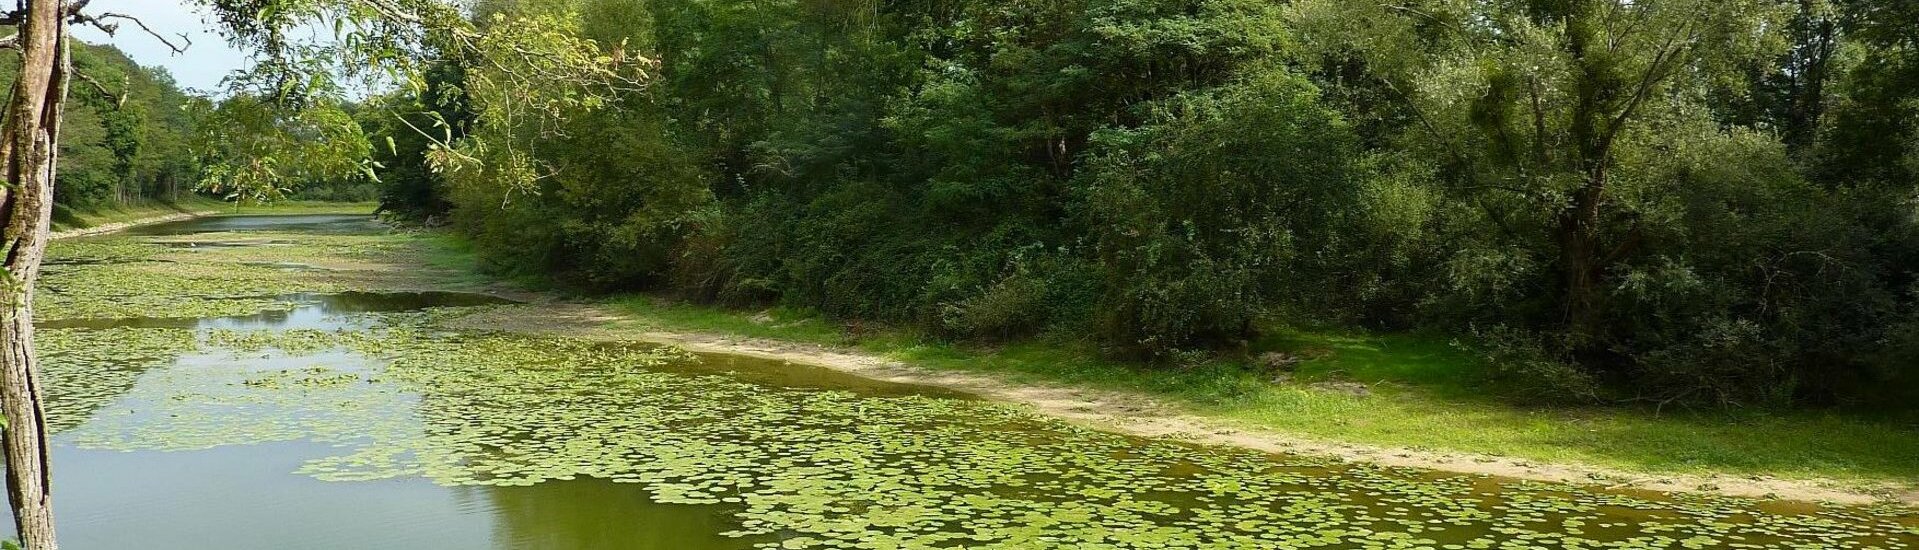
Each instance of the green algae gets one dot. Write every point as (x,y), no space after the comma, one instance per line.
(168,290)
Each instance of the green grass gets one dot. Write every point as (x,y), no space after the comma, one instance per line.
(1424,394)
(443,252)
(1431,396)
(69,219)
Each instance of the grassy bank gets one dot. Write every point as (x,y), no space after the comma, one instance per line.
(1396,390)
(66,219)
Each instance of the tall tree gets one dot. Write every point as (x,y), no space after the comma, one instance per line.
(29,147)
(1872,137)
(1528,102)
(29,140)
(1805,70)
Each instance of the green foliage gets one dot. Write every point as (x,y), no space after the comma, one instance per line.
(1224,204)
(403,129)
(1597,209)
(288,122)
(255,149)
(1872,137)
(123,141)
(924,164)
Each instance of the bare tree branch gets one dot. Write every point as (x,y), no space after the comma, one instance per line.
(109,23)
(119,99)
(74,9)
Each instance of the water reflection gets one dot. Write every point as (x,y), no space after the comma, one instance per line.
(594,513)
(245,497)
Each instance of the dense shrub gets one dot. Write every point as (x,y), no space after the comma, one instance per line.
(1225,203)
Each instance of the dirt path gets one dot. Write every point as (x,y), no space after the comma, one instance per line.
(112,227)
(1144,416)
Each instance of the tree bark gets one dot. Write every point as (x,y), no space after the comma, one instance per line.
(1578,229)
(1583,264)
(1810,65)
(29,145)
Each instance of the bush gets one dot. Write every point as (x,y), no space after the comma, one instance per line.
(1525,366)
(1752,286)
(1053,293)
(1227,203)
(351,191)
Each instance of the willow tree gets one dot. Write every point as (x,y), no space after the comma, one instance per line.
(379,41)
(1530,105)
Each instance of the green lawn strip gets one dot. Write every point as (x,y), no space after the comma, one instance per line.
(66,218)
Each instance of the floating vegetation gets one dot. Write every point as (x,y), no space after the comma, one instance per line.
(836,469)
(100,250)
(87,368)
(123,276)
(167,289)
(395,396)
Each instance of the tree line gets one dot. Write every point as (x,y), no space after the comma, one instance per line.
(125,139)
(1706,202)
(132,136)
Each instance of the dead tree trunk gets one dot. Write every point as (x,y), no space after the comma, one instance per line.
(29,143)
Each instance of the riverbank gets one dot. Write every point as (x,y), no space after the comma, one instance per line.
(1399,400)
(1151,415)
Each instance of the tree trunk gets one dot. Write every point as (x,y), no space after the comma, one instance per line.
(1581,260)
(1810,62)
(29,143)
(1582,264)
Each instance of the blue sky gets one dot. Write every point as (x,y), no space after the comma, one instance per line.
(202,66)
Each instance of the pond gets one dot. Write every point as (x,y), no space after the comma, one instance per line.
(254,406)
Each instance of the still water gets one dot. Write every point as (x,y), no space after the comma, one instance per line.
(349,419)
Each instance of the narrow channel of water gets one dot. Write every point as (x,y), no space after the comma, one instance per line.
(349,420)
